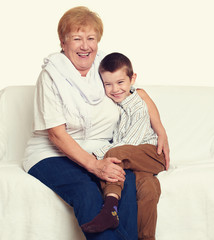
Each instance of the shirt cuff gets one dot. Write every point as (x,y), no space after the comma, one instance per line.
(99,154)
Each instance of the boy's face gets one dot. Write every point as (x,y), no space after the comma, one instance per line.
(117,84)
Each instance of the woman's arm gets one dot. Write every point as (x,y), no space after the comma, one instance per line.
(156,125)
(104,169)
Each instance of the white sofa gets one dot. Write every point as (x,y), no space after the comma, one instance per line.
(31,211)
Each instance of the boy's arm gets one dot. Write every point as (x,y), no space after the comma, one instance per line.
(133,136)
(100,153)
(156,125)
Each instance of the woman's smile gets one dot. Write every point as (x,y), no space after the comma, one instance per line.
(83,55)
(80,47)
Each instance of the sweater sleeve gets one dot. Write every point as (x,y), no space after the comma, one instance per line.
(48,106)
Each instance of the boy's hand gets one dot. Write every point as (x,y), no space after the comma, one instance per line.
(163,146)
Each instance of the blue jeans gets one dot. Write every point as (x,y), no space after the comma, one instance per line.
(81,190)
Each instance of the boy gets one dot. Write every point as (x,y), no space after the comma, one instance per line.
(134,142)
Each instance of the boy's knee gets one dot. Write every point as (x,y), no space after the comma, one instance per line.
(115,152)
(121,152)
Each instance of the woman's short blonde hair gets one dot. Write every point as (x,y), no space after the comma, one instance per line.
(77,18)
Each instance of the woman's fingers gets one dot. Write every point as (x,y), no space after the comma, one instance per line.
(113,174)
(117,167)
(117,175)
(116,170)
(109,171)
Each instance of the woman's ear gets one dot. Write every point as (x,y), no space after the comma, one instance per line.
(134,76)
(62,43)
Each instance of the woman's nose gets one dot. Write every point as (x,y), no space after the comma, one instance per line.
(84,45)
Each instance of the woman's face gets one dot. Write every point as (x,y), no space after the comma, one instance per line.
(81,48)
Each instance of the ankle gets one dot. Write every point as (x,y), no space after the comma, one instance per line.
(113,195)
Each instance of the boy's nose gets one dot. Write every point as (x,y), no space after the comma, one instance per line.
(115,88)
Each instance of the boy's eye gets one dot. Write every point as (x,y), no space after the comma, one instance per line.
(120,82)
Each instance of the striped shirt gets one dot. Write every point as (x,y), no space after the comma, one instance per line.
(134,126)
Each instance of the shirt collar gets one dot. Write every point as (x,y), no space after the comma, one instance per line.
(128,101)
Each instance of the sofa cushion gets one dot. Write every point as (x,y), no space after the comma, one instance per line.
(187,114)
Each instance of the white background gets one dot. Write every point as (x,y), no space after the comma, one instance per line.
(170,42)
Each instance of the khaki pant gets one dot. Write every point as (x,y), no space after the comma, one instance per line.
(145,163)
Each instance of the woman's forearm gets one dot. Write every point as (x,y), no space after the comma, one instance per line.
(66,144)
(105,169)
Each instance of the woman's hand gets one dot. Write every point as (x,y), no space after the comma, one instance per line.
(163,146)
(107,169)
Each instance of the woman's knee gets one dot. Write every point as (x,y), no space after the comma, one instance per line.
(128,195)
(130,182)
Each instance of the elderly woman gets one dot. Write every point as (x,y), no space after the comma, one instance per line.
(72,118)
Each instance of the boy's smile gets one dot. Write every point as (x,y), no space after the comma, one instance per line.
(117,84)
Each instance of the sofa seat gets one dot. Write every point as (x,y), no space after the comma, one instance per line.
(186,205)
(31,211)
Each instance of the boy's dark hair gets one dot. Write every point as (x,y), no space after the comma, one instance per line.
(115,61)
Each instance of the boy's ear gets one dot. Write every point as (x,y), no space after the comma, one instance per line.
(134,76)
